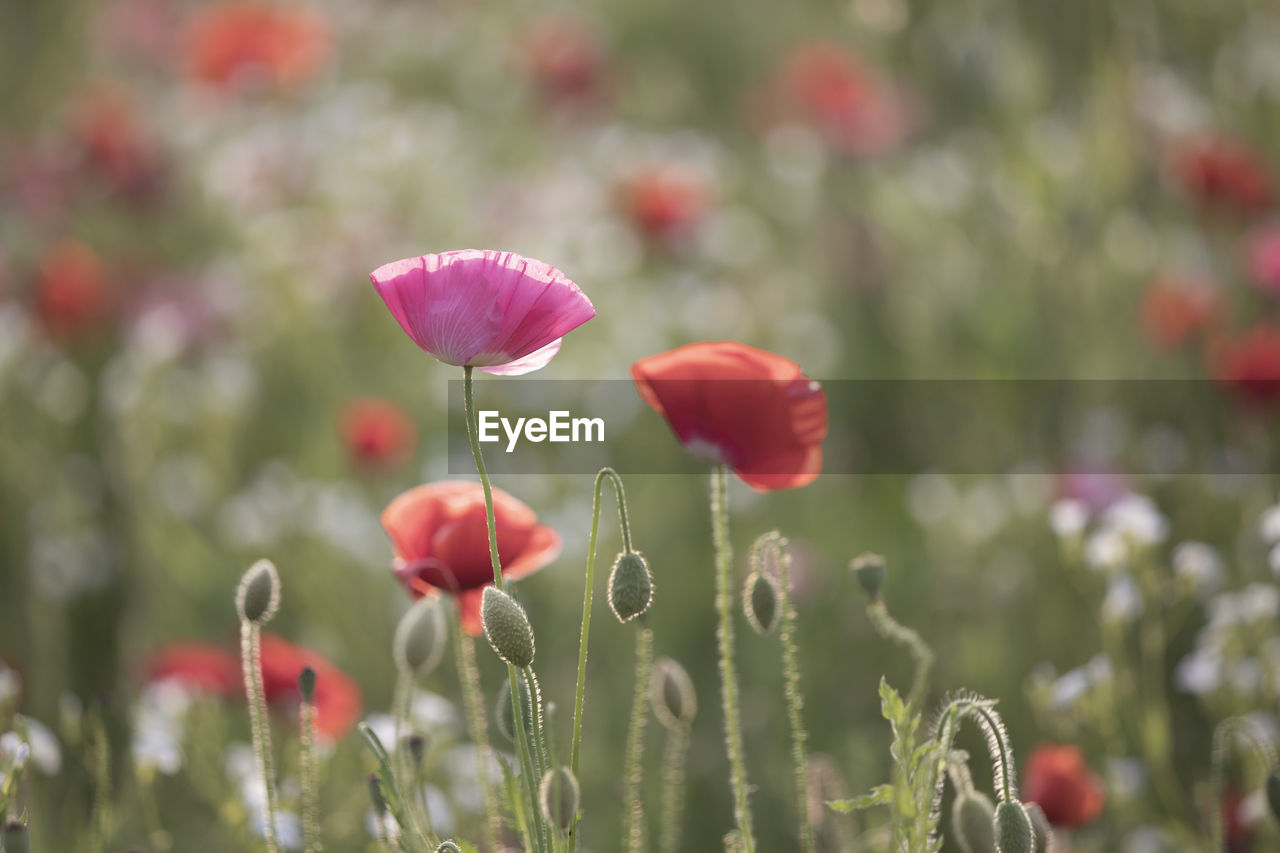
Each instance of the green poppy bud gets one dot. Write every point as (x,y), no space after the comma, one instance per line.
(1273,792)
(869,570)
(14,838)
(258,596)
(504,715)
(419,641)
(630,586)
(1013,830)
(760,601)
(417,748)
(558,797)
(507,627)
(1043,841)
(307,684)
(376,797)
(671,694)
(972,822)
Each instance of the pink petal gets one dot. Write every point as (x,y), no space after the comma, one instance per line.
(531,362)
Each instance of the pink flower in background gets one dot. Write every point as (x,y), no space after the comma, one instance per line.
(1223,174)
(565,58)
(1174,310)
(1250,364)
(72,297)
(664,203)
(377,433)
(1262,255)
(232,43)
(497,311)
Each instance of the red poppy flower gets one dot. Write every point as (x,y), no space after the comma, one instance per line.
(1238,832)
(1173,311)
(746,408)
(229,43)
(337,698)
(199,667)
(108,127)
(441,541)
(377,433)
(71,295)
(564,57)
(1250,365)
(1057,779)
(1262,254)
(664,202)
(1221,173)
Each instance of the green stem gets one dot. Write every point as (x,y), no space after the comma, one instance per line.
(633,832)
(541,757)
(891,629)
(468,400)
(587,596)
(1253,735)
(795,699)
(673,758)
(400,714)
(260,725)
(310,793)
(728,674)
(477,726)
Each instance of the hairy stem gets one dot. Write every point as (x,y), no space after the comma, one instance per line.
(633,823)
(673,758)
(894,631)
(249,654)
(477,726)
(1257,740)
(795,699)
(312,843)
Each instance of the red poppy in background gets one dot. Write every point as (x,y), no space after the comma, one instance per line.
(824,85)
(664,202)
(565,58)
(1221,173)
(441,541)
(377,433)
(746,408)
(1250,365)
(229,44)
(71,295)
(1174,310)
(1262,256)
(1238,832)
(1060,782)
(107,124)
(338,700)
(199,667)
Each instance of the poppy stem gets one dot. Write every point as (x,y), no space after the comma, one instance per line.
(1259,742)
(791,674)
(673,759)
(633,833)
(728,674)
(891,629)
(587,596)
(250,652)
(469,405)
(307,769)
(477,725)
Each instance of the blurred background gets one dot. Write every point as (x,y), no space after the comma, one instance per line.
(195,371)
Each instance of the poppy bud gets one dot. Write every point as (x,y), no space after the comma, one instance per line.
(419,640)
(1273,792)
(760,601)
(972,818)
(376,796)
(417,748)
(258,597)
(448,847)
(503,713)
(671,694)
(14,838)
(630,586)
(869,570)
(506,627)
(307,684)
(1043,840)
(1013,830)
(558,797)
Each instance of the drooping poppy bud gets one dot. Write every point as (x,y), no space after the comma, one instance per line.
(258,596)
(419,640)
(972,822)
(869,570)
(671,693)
(1013,830)
(760,602)
(558,797)
(507,628)
(503,713)
(630,586)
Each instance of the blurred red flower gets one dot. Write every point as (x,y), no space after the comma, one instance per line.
(664,203)
(1057,778)
(440,537)
(1221,173)
(565,59)
(108,128)
(1262,255)
(377,433)
(1174,310)
(746,408)
(1238,832)
(72,296)
(228,44)
(198,666)
(338,699)
(824,85)
(1250,364)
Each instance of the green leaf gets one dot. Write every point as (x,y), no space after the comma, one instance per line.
(892,707)
(877,796)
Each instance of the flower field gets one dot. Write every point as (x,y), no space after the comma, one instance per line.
(639,426)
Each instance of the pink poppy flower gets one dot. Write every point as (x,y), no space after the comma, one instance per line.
(1263,257)
(497,311)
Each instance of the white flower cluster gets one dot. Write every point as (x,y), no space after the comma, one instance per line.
(1228,652)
